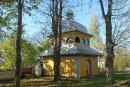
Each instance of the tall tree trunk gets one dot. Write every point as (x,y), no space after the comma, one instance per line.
(18,45)
(56,61)
(109,45)
(56,54)
(110,53)
(57,66)
(57,29)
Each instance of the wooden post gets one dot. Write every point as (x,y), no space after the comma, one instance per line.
(76,68)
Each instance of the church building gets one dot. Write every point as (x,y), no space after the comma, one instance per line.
(78,59)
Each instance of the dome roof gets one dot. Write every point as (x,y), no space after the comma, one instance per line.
(70,24)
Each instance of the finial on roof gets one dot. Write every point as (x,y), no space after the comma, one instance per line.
(69,14)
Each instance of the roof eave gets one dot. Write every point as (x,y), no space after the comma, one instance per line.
(72,31)
(92,55)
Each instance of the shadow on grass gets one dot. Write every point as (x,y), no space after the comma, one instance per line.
(99,81)
(122,76)
(48,81)
(83,82)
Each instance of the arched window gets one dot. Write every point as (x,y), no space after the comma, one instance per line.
(83,40)
(87,42)
(69,40)
(77,39)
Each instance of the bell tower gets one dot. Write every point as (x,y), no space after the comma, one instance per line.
(69,14)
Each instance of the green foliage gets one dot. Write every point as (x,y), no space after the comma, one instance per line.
(8,51)
(8,17)
(8,14)
(121,61)
(29,53)
(122,57)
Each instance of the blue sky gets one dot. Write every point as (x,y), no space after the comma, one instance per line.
(81,13)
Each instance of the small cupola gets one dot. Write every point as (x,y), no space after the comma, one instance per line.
(69,14)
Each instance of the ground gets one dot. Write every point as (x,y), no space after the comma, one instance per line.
(99,81)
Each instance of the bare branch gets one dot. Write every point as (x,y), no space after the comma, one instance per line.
(102,9)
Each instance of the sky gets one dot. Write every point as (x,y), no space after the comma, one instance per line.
(81,14)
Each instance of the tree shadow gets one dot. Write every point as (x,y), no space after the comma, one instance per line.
(122,76)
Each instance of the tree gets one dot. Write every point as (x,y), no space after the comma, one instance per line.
(53,10)
(7,47)
(56,16)
(121,58)
(109,46)
(16,7)
(7,17)
(29,52)
(93,26)
(121,32)
(20,7)
(42,36)
(42,46)
(108,15)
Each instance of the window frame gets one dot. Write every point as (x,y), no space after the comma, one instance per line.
(67,40)
(84,42)
(77,40)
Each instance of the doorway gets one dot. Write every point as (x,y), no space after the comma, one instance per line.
(89,68)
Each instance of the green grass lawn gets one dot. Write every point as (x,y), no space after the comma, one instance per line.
(99,81)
